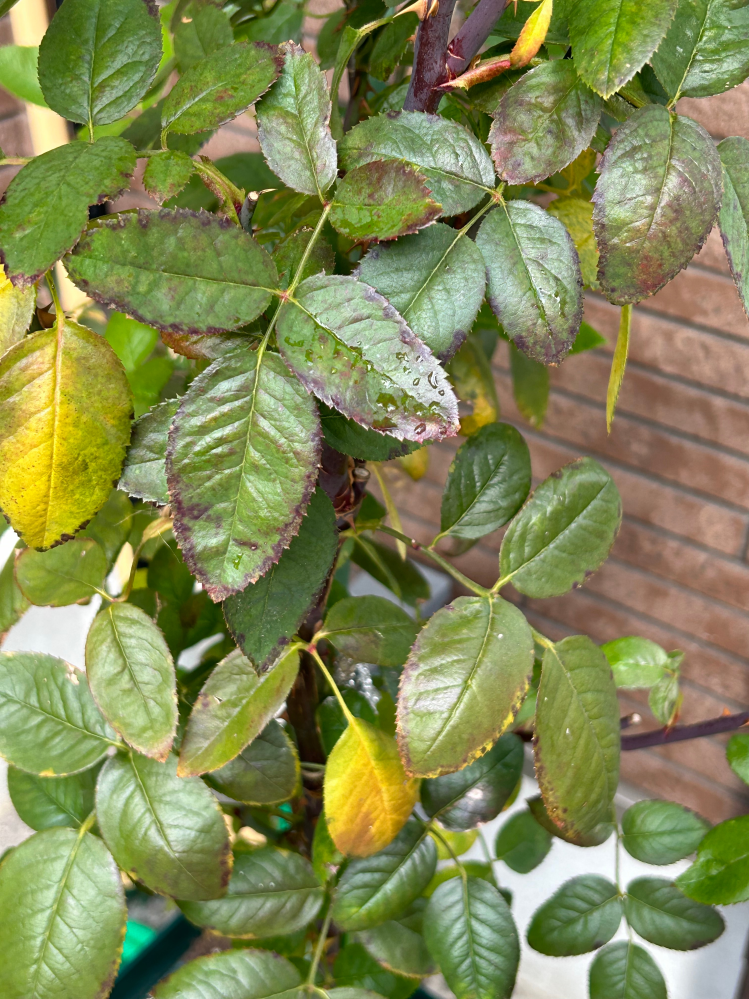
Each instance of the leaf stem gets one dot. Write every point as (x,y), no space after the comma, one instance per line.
(59,314)
(15,160)
(392,509)
(87,824)
(320,946)
(221,185)
(457,575)
(436,832)
(326,672)
(541,639)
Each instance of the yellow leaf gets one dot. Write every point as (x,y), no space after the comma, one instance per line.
(459,842)
(415,464)
(577,217)
(65,410)
(367,794)
(533,35)
(16,310)
(472,379)
(618,364)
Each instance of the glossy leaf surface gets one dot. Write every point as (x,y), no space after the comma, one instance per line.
(44,802)
(144,471)
(661,832)
(625,971)
(61,575)
(265,773)
(370,629)
(522,843)
(235,974)
(397,948)
(734,211)
(720,875)
(635,662)
(362,977)
(660,913)
(737,754)
(381,200)
(579,917)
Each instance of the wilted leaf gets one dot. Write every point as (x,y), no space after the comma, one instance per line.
(370,629)
(144,471)
(265,773)
(660,913)
(532,34)
(63,575)
(381,200)
(579,917)
(618,364)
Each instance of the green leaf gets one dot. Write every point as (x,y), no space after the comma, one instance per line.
(46,205)
(237,974)
(417,275)
(456,166)
(473,868)
(64,575)
(175,269)
(513,20)
(613,39)
(388,568)
(473,380)
(239,489)
(397,947)
(390,46)
(622,970)
(587,339)
(13,604)
(543,123)
(326,858)
(351,438)
(577,738)
(535,287)
(44,802)
(477,793)
(62,917)
(233,707)
(131,674)
(488,481)
(665,699)
(348,345)
(463,684)
(271,892)
(168,173)
(220,87)
(380,887)
(656,200)
(579,917)
(166,831)
(331,720)
(661,914)
(288,254)
(359,975)
(370,629)
(721,872)
(661,832)
(635,662)
(522,843)
(564,532)
(16,311)
(577,217)
(112,525)
(294,125)
(470,931)
(734,211)
(265,773)
(530,386)
(283,22)
(381,200)
(18,72)
(65,411)
(705,50)
(266,614)
(199,31)
(98,58)
(49,724)
(737,754)
(144,471)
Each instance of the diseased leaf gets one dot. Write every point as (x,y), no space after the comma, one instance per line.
(636,662)
(435,279)
(656,201)
(382,886)
(234,974)
(532,34)
(351,438)
(488,481)
(49,724)
(65,409)
(144,471)
(288,254)
(201,30)
(67,574)
(131,674)
(470,931)
(564,532)
(514,19)
(705,50)
(473,380)
(530,386)
(661,832)
(456,166)
(618,364)
(579,917)
(577,217)
(368,796)
(522,843)
(720,875)
(350,347)
(477,793)
(165,831)
(240,476)
(463,684)
(543,123)
(370,629)
(271,892)
(266,614)
(16,310)
(98,58)
(391,45)
(233,707)
(46,205)
(737,754)
(44,802)
(168,173)
(613,39)
(576,740)
(535,287)
(220,87)
(265,773)
(62,917)
(734,211)
(660,913)
(381,200)
(626,971)
(175,269)
(294,125)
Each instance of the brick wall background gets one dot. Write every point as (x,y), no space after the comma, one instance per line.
(678,451)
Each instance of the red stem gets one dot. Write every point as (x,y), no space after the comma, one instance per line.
(681,733)
(429,60)
(473,34)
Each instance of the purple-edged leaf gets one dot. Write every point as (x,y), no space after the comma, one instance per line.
(655,202)
(349,346)
(535,286)
(734,212)
(294,125)
(543,123)
(241,466)
(167,173)
(220,87)
(144,471)
(382,200)
(181,271)
(46,205)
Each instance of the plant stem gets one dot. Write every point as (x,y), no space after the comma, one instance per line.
(436,832)
(320,946)
(473,34)
(683,733)
(457,575)
(15,160)
(326,672)
(392,509)
(59,314)
(430,53)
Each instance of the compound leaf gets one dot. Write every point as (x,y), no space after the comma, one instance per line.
(626,971)
(579,917)
(661,832)
(720,875)
(660,913)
